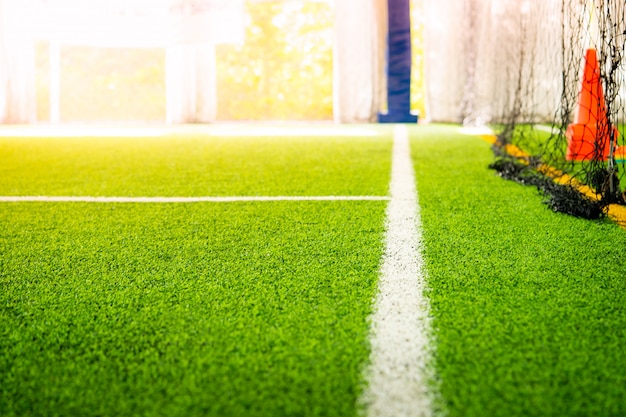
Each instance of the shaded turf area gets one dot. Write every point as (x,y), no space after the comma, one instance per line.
(529,305)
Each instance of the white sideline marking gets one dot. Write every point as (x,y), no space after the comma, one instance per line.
(88,199)
(400,324)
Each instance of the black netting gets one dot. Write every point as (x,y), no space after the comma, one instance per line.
(582,144)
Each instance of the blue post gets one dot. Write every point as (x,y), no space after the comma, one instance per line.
(398,64)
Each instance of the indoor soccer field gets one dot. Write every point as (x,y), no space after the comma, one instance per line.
(236,272)
(312,208)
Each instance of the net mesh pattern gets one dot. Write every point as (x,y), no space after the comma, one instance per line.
(524,68)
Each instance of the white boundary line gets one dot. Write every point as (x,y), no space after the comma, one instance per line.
(89,199)
(400,363)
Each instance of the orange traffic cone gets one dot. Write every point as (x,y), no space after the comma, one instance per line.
(620,154)
(589,136)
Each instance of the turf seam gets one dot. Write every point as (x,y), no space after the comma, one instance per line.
(400,365)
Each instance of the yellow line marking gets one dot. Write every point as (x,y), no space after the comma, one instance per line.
(616,212)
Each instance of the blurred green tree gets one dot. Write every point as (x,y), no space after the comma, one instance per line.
(284,68)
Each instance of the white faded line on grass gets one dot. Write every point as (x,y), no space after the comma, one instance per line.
(232,199)
(399,367)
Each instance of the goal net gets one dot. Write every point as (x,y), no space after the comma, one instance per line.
(549,77)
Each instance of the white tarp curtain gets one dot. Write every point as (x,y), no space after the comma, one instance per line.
(359,60)
(488,60)
(17,73)
(444,58)
(190,84)
(189,29)
(504,61)
(127,23)
(463,65)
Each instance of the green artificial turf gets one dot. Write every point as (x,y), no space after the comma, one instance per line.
(195,165)
(261,309)
(201,309)
(529,306)
(239,309)
(552,149)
